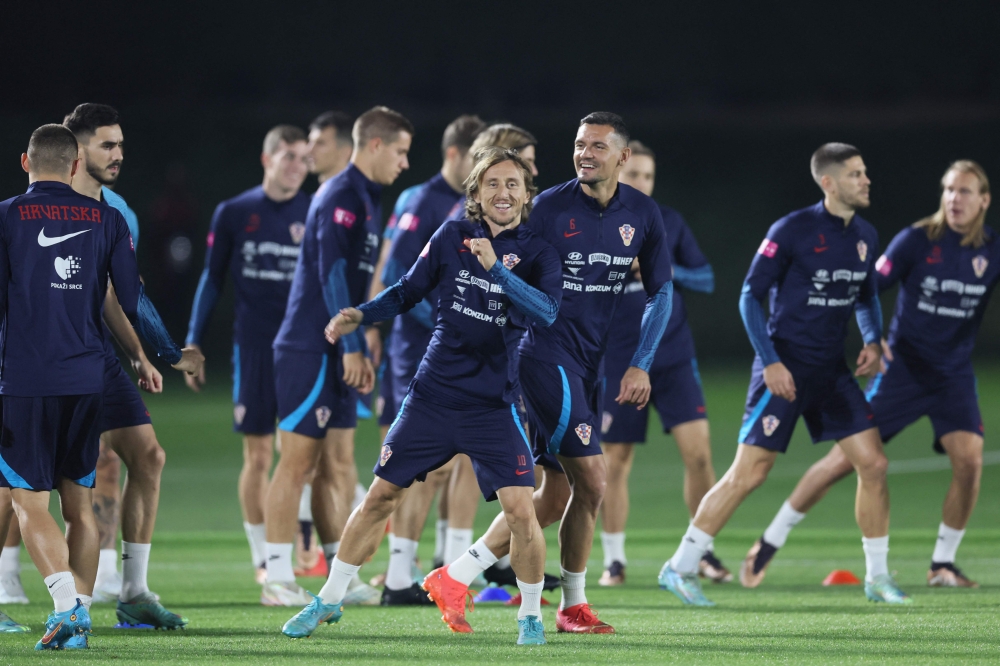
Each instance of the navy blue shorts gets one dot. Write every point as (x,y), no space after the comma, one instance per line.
(48,439)
(312,395)
(676,395)
(563,411)
(255,404)
(123,405)
(385,407)
(425,436)
(910,389)
(827,397)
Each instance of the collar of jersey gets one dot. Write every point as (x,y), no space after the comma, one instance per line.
(483,231)
(591,202)
(361,180)
(54,185)
(824,214)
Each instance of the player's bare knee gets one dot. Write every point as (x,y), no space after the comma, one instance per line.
(873,468)
(108,470)
(967,467)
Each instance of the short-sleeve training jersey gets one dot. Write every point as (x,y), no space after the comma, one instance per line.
(257,241)
(57,251)
(596,247)
(943,292)
(816,269)
(677,344)
(472,358)
(339,252)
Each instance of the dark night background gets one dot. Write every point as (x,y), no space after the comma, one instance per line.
(733,96)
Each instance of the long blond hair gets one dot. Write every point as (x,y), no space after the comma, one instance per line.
(936,224)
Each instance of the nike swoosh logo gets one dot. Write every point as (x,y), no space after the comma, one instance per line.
(50,586)
(520,473)
(820,249)
(567,234)
(45,241)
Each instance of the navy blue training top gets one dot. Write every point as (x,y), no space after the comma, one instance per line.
(596,247)
(255,239)
(943,292)
(472,357)
(816,269)
(677,344)
(57,251)
(335,267)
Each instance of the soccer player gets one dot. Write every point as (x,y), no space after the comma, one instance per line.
(818,264)
(947,266)
(598,227)
(317,383)
(127,433)
(419,219)
(494,277)
(54,375)
(255,236)
(676,386)
(330,144)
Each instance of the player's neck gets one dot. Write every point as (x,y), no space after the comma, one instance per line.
(452,179)
(496,229)
(85,184)
(276,192)
(363,163)
(601,192)
(838,209)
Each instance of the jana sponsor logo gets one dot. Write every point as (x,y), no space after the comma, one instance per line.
(68,267)
(583,431)
(770,423)
(322,416)
(297,231)
(384,456)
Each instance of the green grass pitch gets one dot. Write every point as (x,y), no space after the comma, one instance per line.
(200,565)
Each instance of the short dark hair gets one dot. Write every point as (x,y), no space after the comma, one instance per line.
(86,118)
(381,122)
(288,133)
(639,148)
(611,119)
(486,158)
(339,121)
(52,149)
(461,133)
(829,154)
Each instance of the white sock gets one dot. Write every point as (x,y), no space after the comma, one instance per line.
(256,537)
(135,563)
(305,503)
(456,542)
(613,544)
(440,537)
(336,584)
(62,587)
(10,560)
(107,563)
(86,600)
(531,599)
(573,588)
(693,546)
(876,556)
(477,559)
(279,563)
(330,551)
(944,550)
(399,575)
(777,532)
(503,562)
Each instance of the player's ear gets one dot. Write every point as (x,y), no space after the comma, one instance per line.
(265,160)
(627,153)
(76,167)
(24,163)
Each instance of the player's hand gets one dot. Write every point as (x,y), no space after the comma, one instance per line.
(345,323)
(195,381)
(374,339)
(886,356)
(192,362)
(779,381)
(150,379)
(358,372)
(634,388)
(869,360)
(482,249)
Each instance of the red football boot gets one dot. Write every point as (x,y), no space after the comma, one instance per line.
(580,619)
(450,597)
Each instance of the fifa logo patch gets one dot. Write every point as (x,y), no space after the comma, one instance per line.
(383,457)
(606,420)
(297,231)
(627,231)
(770,424)
(322,416)
(862,250)
(583,432)
(979,264)
(239,412)
(510,260)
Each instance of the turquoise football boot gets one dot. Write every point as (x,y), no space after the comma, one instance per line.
(687,587)
(309,618)
(884,588)
(530,631)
